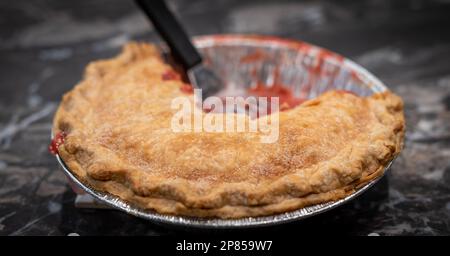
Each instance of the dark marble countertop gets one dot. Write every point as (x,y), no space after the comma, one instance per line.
(44,46)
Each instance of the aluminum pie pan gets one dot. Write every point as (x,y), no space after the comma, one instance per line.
(357,80)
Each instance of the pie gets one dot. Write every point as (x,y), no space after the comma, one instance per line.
(114,134)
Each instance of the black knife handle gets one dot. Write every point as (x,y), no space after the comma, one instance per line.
(172,32)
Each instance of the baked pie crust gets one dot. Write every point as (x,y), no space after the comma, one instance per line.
(119,140)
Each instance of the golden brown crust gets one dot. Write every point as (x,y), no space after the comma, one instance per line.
(120,141)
